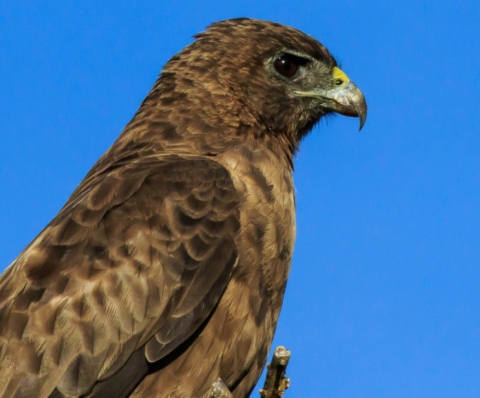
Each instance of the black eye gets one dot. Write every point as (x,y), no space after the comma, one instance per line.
(287,64)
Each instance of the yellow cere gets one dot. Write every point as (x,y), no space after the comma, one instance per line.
(339,74)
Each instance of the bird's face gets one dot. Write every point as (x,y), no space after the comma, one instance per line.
(284,77)
(318,86)
(275,80)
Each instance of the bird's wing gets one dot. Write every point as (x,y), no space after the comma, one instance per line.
(135,262)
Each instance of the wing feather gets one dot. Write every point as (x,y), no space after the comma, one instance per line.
(135,262)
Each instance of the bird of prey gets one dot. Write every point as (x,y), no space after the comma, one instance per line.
(165,270)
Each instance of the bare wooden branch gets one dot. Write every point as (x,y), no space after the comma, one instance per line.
(276,383)
(219,390)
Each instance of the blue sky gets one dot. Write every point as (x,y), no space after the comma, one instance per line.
(384,296)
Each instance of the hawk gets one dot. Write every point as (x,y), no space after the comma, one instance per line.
(166,269)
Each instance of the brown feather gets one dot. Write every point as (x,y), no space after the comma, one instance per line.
(166,268)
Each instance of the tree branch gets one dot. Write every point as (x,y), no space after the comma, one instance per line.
(276,383)
(219,390)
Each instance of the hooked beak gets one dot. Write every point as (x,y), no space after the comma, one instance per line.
(345,99)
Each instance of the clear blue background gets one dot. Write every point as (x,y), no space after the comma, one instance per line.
(383,299)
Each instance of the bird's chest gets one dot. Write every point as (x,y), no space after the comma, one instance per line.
(267,216)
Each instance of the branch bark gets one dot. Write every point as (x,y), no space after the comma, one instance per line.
(219,390)
(276,383)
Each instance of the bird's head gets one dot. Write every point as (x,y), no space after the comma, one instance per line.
(278,70)
(263,77)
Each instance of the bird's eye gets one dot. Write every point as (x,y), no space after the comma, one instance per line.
(285,67)
(287,64)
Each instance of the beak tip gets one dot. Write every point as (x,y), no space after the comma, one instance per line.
(361,108)
(362,119)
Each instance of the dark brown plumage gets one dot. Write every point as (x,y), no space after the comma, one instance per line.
(167,266)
